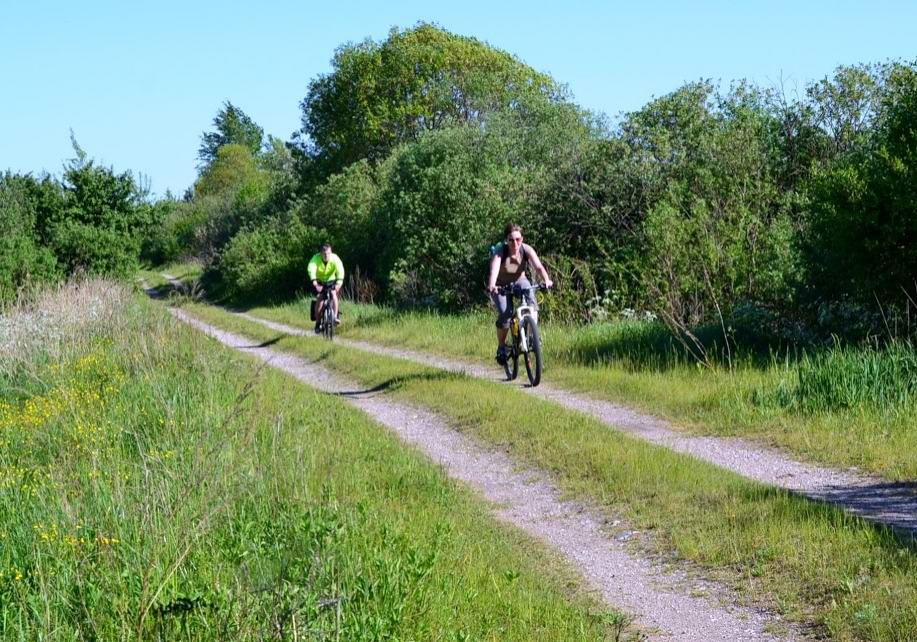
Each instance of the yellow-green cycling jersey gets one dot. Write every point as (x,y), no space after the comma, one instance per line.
(324,272)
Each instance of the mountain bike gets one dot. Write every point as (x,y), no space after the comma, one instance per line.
(327,322)
(523,339)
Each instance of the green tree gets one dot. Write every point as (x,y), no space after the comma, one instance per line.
(863,215)
(718,231)
(23,260)
(103,218)
(233,127)
(444,203)
(233,169)
(422,79)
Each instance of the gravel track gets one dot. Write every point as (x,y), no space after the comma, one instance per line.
(892,504)
(666,604)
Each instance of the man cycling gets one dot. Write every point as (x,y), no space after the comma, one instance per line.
(508,264)
(324,267)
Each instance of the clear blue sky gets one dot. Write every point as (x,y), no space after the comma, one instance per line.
(139,82)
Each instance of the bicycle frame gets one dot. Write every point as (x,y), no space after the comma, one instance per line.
(521,312)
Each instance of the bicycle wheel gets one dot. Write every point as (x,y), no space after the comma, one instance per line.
(328,321)
(511,366)
(533,355)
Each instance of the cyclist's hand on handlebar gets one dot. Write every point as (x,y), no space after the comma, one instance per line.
(492,289)
(548,284)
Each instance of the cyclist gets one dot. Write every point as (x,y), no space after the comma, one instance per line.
(508,264)
(326,266)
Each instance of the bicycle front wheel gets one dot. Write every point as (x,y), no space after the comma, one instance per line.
(511,365)
(328,322)
(533,354)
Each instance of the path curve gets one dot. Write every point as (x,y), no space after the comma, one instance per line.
(667,605)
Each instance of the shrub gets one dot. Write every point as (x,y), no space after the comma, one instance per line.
(269,260)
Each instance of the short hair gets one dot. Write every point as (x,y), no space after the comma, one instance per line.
(510,228)
(325,246)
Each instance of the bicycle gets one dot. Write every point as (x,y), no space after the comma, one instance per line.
(327,322)
(523,331)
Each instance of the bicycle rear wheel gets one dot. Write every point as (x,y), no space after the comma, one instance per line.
(533,355)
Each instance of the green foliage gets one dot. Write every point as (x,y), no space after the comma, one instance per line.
(92,220)
(103,219)
(344,205)
(882,378)
(269,260)
(719,231)
(380,95)
(863,212)
(97,250)
(232,170)
(233,127)
(23,260)
(441,209)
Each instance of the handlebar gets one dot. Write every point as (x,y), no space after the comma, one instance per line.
(514,288)
(327,286)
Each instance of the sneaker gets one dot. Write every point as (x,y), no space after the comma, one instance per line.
(318,329)
(337,321)
(501,356)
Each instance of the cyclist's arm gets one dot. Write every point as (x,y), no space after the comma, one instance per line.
(312,269)
(338,272)
(494,271)
(538,265)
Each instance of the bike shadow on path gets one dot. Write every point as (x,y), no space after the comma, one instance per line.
(265,344)
(396,382)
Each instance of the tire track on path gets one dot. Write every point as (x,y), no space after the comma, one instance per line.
(667,605)
(891,504)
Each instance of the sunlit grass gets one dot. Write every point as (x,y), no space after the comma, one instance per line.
(844,406)
(153,485)
(809,560)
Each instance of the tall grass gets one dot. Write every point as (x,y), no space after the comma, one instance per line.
(882,378)
(154,486)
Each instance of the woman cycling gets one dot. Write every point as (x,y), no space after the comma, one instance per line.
(508,264)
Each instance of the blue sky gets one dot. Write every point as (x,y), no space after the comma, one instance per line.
(139,82)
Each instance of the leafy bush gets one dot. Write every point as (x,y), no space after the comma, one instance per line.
(95,250)
(863,214)
(23,260)
(269,260)
(444,205)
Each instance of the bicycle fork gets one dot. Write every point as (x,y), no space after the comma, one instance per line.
(521,312)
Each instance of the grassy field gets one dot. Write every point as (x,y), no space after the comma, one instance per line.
(815,564)
(154,485)
(841,406)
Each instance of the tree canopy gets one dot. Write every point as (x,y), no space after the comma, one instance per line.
(382,94)
(233,127)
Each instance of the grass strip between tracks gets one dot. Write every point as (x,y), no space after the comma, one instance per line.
(624,363)
(811,561)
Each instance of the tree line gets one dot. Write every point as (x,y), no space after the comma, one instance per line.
(790,216)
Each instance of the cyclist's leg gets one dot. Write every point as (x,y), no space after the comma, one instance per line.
(503,319)
(319,307)
(335,304)
(530,299)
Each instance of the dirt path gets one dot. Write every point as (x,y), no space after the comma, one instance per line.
(878,500)
(667,605)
